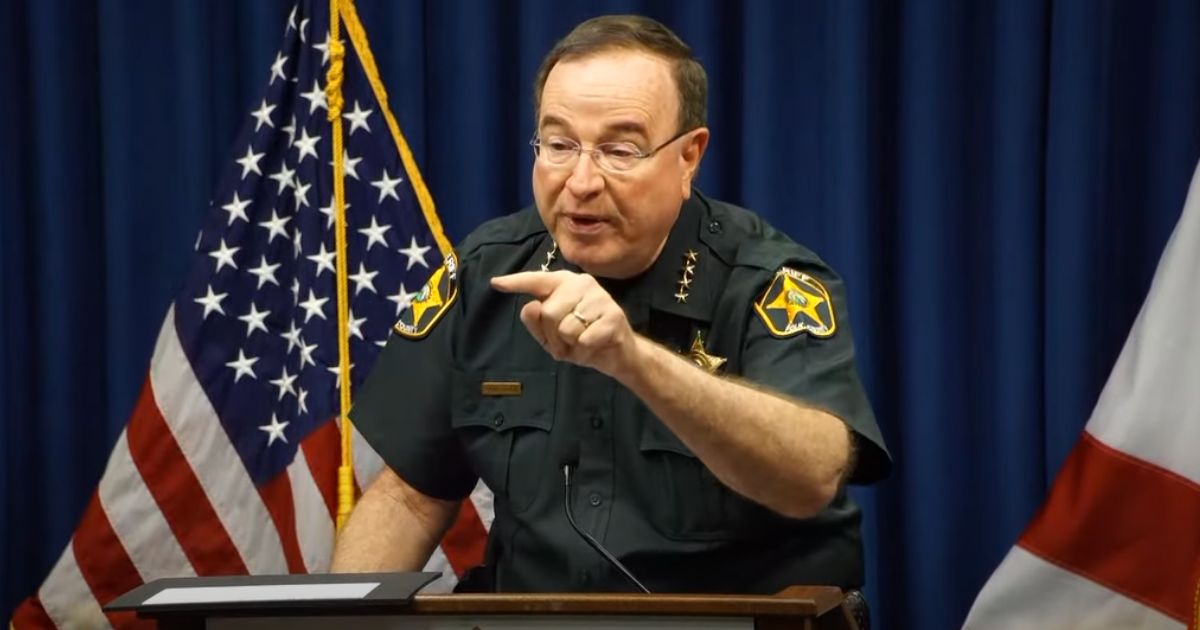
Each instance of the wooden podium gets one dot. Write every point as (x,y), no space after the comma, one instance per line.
(389,601)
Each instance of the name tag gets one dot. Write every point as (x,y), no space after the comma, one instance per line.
(501,388)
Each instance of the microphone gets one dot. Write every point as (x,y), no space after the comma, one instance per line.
(569,461)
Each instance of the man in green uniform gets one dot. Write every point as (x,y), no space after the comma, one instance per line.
(691,364)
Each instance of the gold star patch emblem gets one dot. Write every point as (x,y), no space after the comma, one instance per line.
(796,302)
(431,302)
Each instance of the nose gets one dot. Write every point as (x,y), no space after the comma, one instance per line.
(585,179)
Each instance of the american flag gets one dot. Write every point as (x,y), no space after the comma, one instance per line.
(229,462)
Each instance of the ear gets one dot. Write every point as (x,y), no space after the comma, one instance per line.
(690,156)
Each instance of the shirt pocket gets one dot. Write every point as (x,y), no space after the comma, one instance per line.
(686,502)
(506,437)
(683,498)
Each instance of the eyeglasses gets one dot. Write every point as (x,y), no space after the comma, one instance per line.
(611,156)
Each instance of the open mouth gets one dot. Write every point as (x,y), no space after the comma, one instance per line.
(584,224)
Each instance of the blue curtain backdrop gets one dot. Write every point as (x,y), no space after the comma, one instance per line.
(995,181)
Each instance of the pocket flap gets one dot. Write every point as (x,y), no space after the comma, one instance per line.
(657,437)
(533,407)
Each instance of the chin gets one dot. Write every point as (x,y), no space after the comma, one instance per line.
(591,258)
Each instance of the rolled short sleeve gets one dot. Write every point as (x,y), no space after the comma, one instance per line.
(798,342)
(403,409)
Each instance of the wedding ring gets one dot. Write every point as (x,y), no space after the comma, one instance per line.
(582,320)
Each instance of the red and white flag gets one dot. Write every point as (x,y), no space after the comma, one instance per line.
(1117,543)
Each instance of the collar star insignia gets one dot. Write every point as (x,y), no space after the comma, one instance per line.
(550,256)
(708,362)
(686,275)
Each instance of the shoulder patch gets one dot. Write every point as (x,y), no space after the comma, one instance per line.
(796,302)
(431,302)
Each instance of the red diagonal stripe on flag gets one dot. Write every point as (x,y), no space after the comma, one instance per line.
(103,562)
(466,540)
(179,495)
(30,615)
(1123,523)
(277,494)
(323,451)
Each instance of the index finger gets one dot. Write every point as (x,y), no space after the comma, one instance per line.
(539,284)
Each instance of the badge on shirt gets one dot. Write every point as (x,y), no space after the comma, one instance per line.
(431,302)
(796,302)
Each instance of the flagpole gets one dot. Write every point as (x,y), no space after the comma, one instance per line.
(333,94)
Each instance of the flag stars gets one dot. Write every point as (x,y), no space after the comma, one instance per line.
(416,254)
(402,299)
(324,47)
(358,119)
(315,97)
(302,29)
(284,176)
(277,67)
(328,212)
(306,145)
(364,279)
(301,197)
(292,336)
(249,162)
(243,366)
(275,227)
(265,273)
(224,256)
(255,320)
(263,115)
(375,233)
(306,354)
(349,165)
(336,371)
(301,401)
(284,383)
(290,130)
(354,325)
(324,260)
(211,302)
(274,430)
(387,186)
(313,306)
(237,208)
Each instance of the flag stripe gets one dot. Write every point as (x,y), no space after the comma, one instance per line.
(66,597)
(1028,592)
(101,558)
(464,542)
(314,523)
(1097,523)
(31,615)
(367,463)
(439,564)
(277,495)
(207,450)
(178,493)
(136,520)
(323,452)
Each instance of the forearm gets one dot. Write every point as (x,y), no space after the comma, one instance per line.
(392,528)
(775,451)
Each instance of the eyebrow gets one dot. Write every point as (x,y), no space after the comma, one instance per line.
(616,128)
